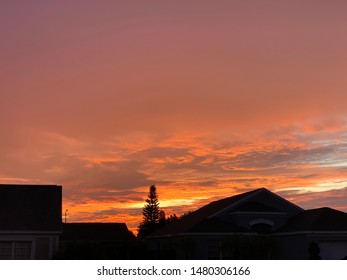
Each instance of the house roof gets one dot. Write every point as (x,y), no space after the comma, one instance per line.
(197,219)
(218,225)
(30,207)
(320,219)
(253,206)
(101,232)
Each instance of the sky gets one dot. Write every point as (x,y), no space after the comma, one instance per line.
(204,99)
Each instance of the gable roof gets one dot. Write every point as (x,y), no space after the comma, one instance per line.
(218,225)
(320,219)
(253,206)
(101,232)
(30,207)
(194,218)
(200,220)
(254,193)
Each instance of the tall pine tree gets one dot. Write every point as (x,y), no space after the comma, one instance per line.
(151,213)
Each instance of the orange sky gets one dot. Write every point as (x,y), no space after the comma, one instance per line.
(205,99)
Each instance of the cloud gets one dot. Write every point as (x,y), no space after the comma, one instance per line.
(108,180)
(334,198)
(204,102)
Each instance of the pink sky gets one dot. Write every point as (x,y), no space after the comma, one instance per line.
(205,99)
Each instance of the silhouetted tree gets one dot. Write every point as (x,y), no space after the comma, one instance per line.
(314,251)
(152,215)
(171,219)
(162,219)
(185,214)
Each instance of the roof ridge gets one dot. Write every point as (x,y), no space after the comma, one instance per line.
(245,196)
(204,212)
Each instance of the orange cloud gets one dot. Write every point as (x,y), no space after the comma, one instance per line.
(203,102)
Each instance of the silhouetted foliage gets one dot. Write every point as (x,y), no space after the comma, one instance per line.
(171,219)
(238,247)
(187,245)
(185,214)
(162,219)
(314,251)
(153,217)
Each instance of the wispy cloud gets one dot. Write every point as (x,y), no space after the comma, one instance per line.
(112,176)
(205,100)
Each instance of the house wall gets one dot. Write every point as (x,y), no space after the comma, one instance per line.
(333,245)
(204,247)
(295,247)
(333,250)
(39,246)
(244,219)
(284,247)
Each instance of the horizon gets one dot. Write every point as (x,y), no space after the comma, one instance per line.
(204,100)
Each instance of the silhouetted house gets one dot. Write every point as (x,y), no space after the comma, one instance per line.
(325,226)
(254,225)
(30,221)
(95,241)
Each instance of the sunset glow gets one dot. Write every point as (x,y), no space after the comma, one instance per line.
(204,99)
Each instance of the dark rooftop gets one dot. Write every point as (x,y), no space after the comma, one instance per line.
(101,232)
(218,225)
(253,206)
(192,221)
(320,219)
(30,207)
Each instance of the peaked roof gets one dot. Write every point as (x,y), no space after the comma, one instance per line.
(253,206)
(102,232)
(218,225)
(30,207)
(320,219)
(201,218)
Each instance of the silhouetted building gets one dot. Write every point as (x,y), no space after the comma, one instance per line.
(324,226)
(254,225)
(30,221)
(95,241)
